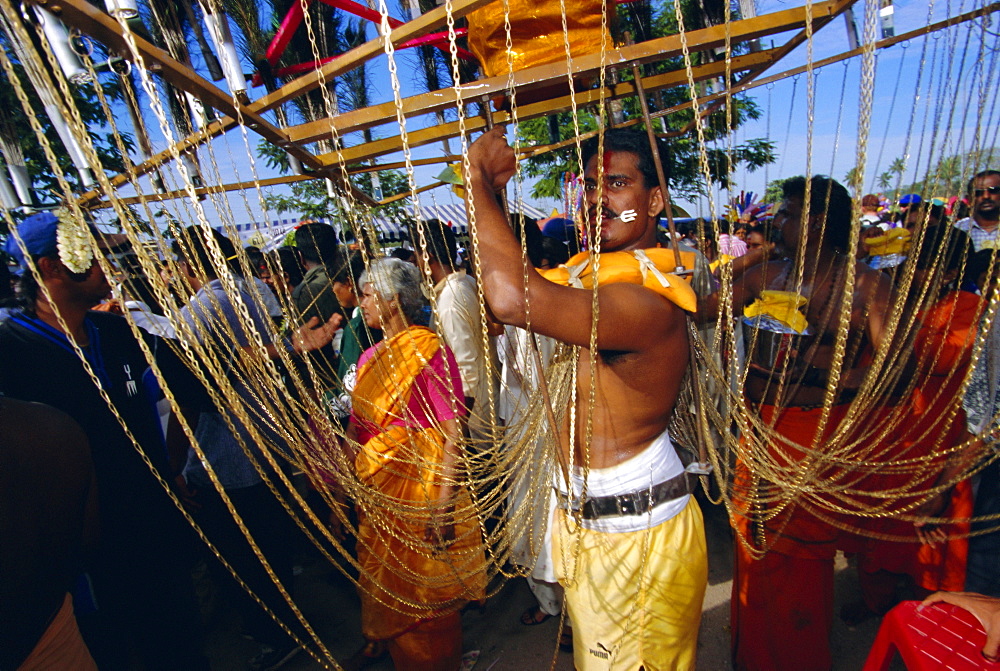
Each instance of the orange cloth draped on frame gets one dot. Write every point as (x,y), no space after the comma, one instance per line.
(652,268)
(407,585)
(536,32)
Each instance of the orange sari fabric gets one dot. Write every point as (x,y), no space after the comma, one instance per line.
(405,582)
(943,347)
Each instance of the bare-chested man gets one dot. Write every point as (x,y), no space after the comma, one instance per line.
(636,571)
(782,604)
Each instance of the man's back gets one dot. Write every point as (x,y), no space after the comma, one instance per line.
(45,484)
(39,365)
(823,287)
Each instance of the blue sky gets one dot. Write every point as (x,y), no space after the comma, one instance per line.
(927,98)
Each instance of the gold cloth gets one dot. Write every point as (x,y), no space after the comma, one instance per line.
(895,241)
(536,33)
(783,306)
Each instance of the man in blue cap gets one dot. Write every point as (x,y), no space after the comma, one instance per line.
(138,571)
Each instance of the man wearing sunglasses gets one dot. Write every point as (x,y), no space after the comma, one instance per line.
(984,194)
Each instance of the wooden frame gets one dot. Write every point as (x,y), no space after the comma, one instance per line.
(89,20)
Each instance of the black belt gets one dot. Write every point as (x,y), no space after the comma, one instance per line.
(631,503)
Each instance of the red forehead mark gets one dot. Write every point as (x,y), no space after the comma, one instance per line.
(607,163)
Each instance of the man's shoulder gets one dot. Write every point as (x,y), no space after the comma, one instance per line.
(108,321)
(761,274)
(964,224)
(315,275)
(458,287)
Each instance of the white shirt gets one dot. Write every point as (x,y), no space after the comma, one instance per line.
(458,322)
(149,322)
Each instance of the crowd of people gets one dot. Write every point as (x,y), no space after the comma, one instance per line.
(415,357)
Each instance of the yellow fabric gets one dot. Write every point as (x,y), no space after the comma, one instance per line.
(382,391)
(652,268)
(895,241)
(536,32)
(634,598)
(721,260)
(783,306)
(404,581)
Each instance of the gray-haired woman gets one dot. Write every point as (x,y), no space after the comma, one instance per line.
(419,543)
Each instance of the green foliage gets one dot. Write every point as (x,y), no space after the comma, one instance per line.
(772,194)
(43,177)
(683,160)
(950,175)
(311,200)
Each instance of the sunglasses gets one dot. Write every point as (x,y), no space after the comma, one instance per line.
(994,190)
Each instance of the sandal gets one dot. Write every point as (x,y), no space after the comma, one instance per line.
(370,653)
(566,640)
(530,617)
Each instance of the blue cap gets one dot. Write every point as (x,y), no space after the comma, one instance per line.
(911,199)
(559,228)
(38,232)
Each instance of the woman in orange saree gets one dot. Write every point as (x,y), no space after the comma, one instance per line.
(419,541)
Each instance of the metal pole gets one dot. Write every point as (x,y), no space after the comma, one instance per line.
(703,467)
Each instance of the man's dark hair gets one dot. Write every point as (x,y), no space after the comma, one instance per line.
(350,269)
(985,173)
(137,284)
(936,211)
(317,243)
(403,254)
(635,142)
(829,197)
(441,244)
(7,297)
(532,238)
(979,263)
(946,245)
(255,257)
(27,287)
(191,245)
(554,251)
(289,263)
(870,201)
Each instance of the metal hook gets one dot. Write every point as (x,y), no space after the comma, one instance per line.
(81,45)
(114,66)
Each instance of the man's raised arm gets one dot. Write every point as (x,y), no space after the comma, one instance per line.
(631,317)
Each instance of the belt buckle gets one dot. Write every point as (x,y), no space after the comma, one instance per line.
(628,503)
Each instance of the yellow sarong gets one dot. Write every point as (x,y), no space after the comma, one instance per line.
(634,598)
(404,581)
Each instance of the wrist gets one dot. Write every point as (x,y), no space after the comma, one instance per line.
(290,345)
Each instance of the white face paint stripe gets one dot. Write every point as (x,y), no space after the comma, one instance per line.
(628,216)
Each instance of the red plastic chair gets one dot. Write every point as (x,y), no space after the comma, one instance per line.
(935,638)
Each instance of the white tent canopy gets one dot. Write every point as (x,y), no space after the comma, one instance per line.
(271,235)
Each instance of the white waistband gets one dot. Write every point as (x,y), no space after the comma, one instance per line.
(655,464)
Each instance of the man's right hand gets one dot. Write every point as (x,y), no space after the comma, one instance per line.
(492,159)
